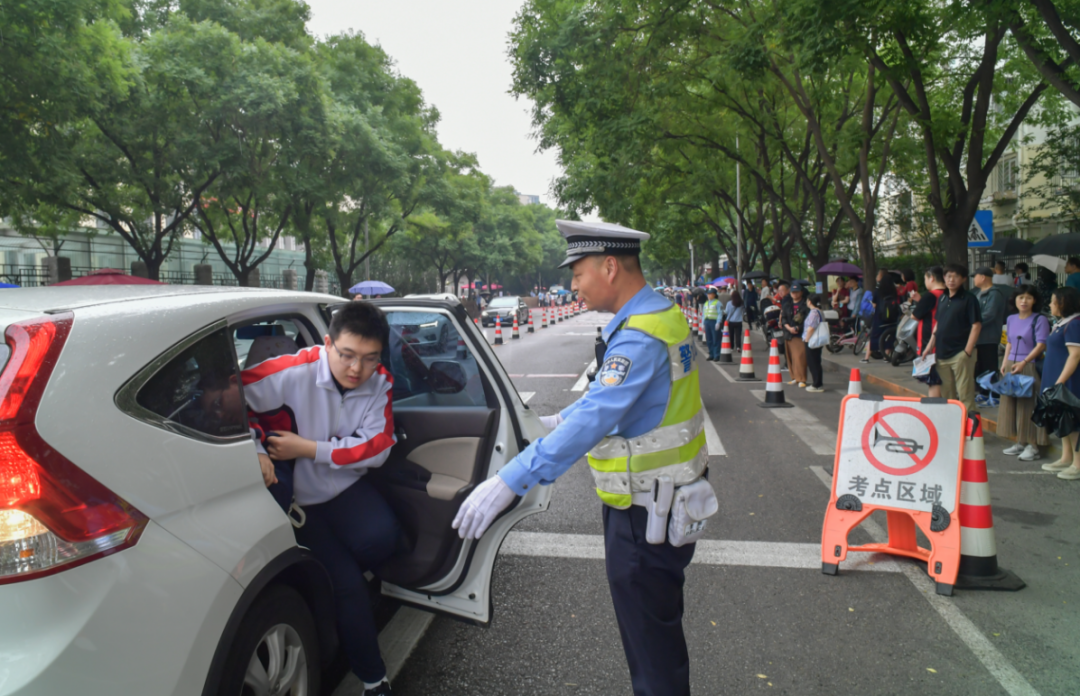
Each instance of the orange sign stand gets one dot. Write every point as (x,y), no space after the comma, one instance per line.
(902,456)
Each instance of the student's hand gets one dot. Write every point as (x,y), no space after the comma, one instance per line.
(267,466)
(1016,368)
(285,446)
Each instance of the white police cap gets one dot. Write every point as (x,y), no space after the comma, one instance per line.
(588,238)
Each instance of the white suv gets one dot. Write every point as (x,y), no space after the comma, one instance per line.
(140,552)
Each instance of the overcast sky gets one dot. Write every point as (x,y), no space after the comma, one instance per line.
(456,52)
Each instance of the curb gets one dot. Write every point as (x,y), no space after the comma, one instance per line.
(989,426)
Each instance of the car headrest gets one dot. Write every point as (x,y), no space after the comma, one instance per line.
(266,347)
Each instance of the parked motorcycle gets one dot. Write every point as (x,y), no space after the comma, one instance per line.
(906,344)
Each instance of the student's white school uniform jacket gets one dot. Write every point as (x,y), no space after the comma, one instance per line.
(353,432)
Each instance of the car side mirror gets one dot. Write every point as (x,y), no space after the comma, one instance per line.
(446,377)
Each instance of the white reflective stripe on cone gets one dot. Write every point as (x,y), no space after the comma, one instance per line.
(974,493)
(977,542)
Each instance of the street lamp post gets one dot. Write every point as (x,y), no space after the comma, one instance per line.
(691,264)
(738,218)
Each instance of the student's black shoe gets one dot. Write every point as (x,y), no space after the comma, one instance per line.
(380,690)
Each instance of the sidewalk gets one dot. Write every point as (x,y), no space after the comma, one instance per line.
(895,380)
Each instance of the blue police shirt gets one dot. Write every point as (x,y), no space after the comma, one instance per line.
(632,402)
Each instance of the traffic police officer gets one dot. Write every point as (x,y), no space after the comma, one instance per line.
(646,400)
(712,313)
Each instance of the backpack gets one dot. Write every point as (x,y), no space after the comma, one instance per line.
(890,310)
(866,306)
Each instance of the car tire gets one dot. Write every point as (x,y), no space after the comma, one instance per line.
(281,618)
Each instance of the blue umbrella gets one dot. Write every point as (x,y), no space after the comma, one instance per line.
(723,279)
(7,285)
(371,287)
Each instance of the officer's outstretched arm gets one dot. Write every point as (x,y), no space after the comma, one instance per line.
(597,414)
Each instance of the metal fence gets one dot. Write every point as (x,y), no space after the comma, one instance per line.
(37,276)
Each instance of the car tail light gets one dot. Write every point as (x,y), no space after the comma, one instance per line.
(53,515)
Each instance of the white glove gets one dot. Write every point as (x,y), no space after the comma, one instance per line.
(482,507)
(551,422)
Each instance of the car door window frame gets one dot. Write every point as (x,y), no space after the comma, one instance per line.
(126,397)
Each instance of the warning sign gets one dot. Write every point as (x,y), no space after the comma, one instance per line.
(900,455)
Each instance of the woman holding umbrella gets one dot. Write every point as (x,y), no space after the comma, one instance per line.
(1062,359)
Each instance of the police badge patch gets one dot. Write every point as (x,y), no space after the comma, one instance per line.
(615,370)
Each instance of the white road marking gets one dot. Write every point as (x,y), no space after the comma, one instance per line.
(806,426)
(397,640)
(525,396)
(768,554)
(1023,473)
(1010,679)
(712,438)
(583,380)
(725,374)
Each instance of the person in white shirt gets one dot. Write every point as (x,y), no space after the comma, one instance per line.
(322,418)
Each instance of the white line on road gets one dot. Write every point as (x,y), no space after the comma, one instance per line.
(583,380)
(712,438)
(525,396)
(807,427)
(991,658)
(769,554)
(725,374)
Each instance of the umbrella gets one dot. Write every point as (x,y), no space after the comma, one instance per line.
(725,279)
(1052,262)
(1058,245)
(109,276)
(756,275)
(840,268)
(1057,410)
(371,287)
(1012,246)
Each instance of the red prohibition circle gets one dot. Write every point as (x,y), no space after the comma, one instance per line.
(919,463)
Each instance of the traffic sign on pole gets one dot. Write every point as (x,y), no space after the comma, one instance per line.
(981,230)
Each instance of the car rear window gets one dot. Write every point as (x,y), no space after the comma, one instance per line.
(199,389)
(504,302)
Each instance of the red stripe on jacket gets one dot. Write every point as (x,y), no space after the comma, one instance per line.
(275,365)
(367,450)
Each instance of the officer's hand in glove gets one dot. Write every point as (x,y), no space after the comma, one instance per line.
(551,422)
(482,507)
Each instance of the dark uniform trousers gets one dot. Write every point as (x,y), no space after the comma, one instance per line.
(646,583)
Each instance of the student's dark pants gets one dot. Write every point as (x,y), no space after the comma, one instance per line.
(283,489)
(351,534)
(986,360)
(735,328)
(813,363)
(646,582)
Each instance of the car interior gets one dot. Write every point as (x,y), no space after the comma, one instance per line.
(446,417)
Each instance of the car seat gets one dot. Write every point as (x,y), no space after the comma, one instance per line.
(265,347)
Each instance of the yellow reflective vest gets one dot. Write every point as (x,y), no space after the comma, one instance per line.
(712,309)
(623,466)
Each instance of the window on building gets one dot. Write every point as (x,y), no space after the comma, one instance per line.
(1007,174)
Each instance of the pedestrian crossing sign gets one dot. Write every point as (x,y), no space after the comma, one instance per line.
(981,230)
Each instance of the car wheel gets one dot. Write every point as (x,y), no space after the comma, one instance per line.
(275,651)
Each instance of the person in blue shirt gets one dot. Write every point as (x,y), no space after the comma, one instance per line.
(643,381)
(1072,268)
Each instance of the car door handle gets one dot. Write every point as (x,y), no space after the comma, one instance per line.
(400,432)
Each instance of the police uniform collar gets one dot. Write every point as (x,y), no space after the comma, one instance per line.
(632,306)
(589,238)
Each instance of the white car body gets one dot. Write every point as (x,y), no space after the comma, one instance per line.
(157,616)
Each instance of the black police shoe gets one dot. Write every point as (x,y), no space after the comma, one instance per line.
(382,689)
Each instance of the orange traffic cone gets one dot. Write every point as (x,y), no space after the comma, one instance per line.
(514,333)
(701,325)
(498,331)
(979,569)
(725,345)
(558,314)
(774,383)
(531,329)
(476,321)
(746,367)
(854,385)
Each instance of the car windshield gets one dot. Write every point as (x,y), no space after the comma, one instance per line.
(504,302)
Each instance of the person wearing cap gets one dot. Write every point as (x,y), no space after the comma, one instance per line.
(645,399)
(793,320)
(712,314)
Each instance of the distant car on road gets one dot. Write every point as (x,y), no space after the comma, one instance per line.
(140,552)
(505,308)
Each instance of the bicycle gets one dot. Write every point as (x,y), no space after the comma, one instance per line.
(847,335)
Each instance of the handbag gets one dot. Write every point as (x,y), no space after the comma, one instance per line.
(922,364)
(820,337)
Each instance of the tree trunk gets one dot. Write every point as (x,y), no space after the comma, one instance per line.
(866,258)
(345,281)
